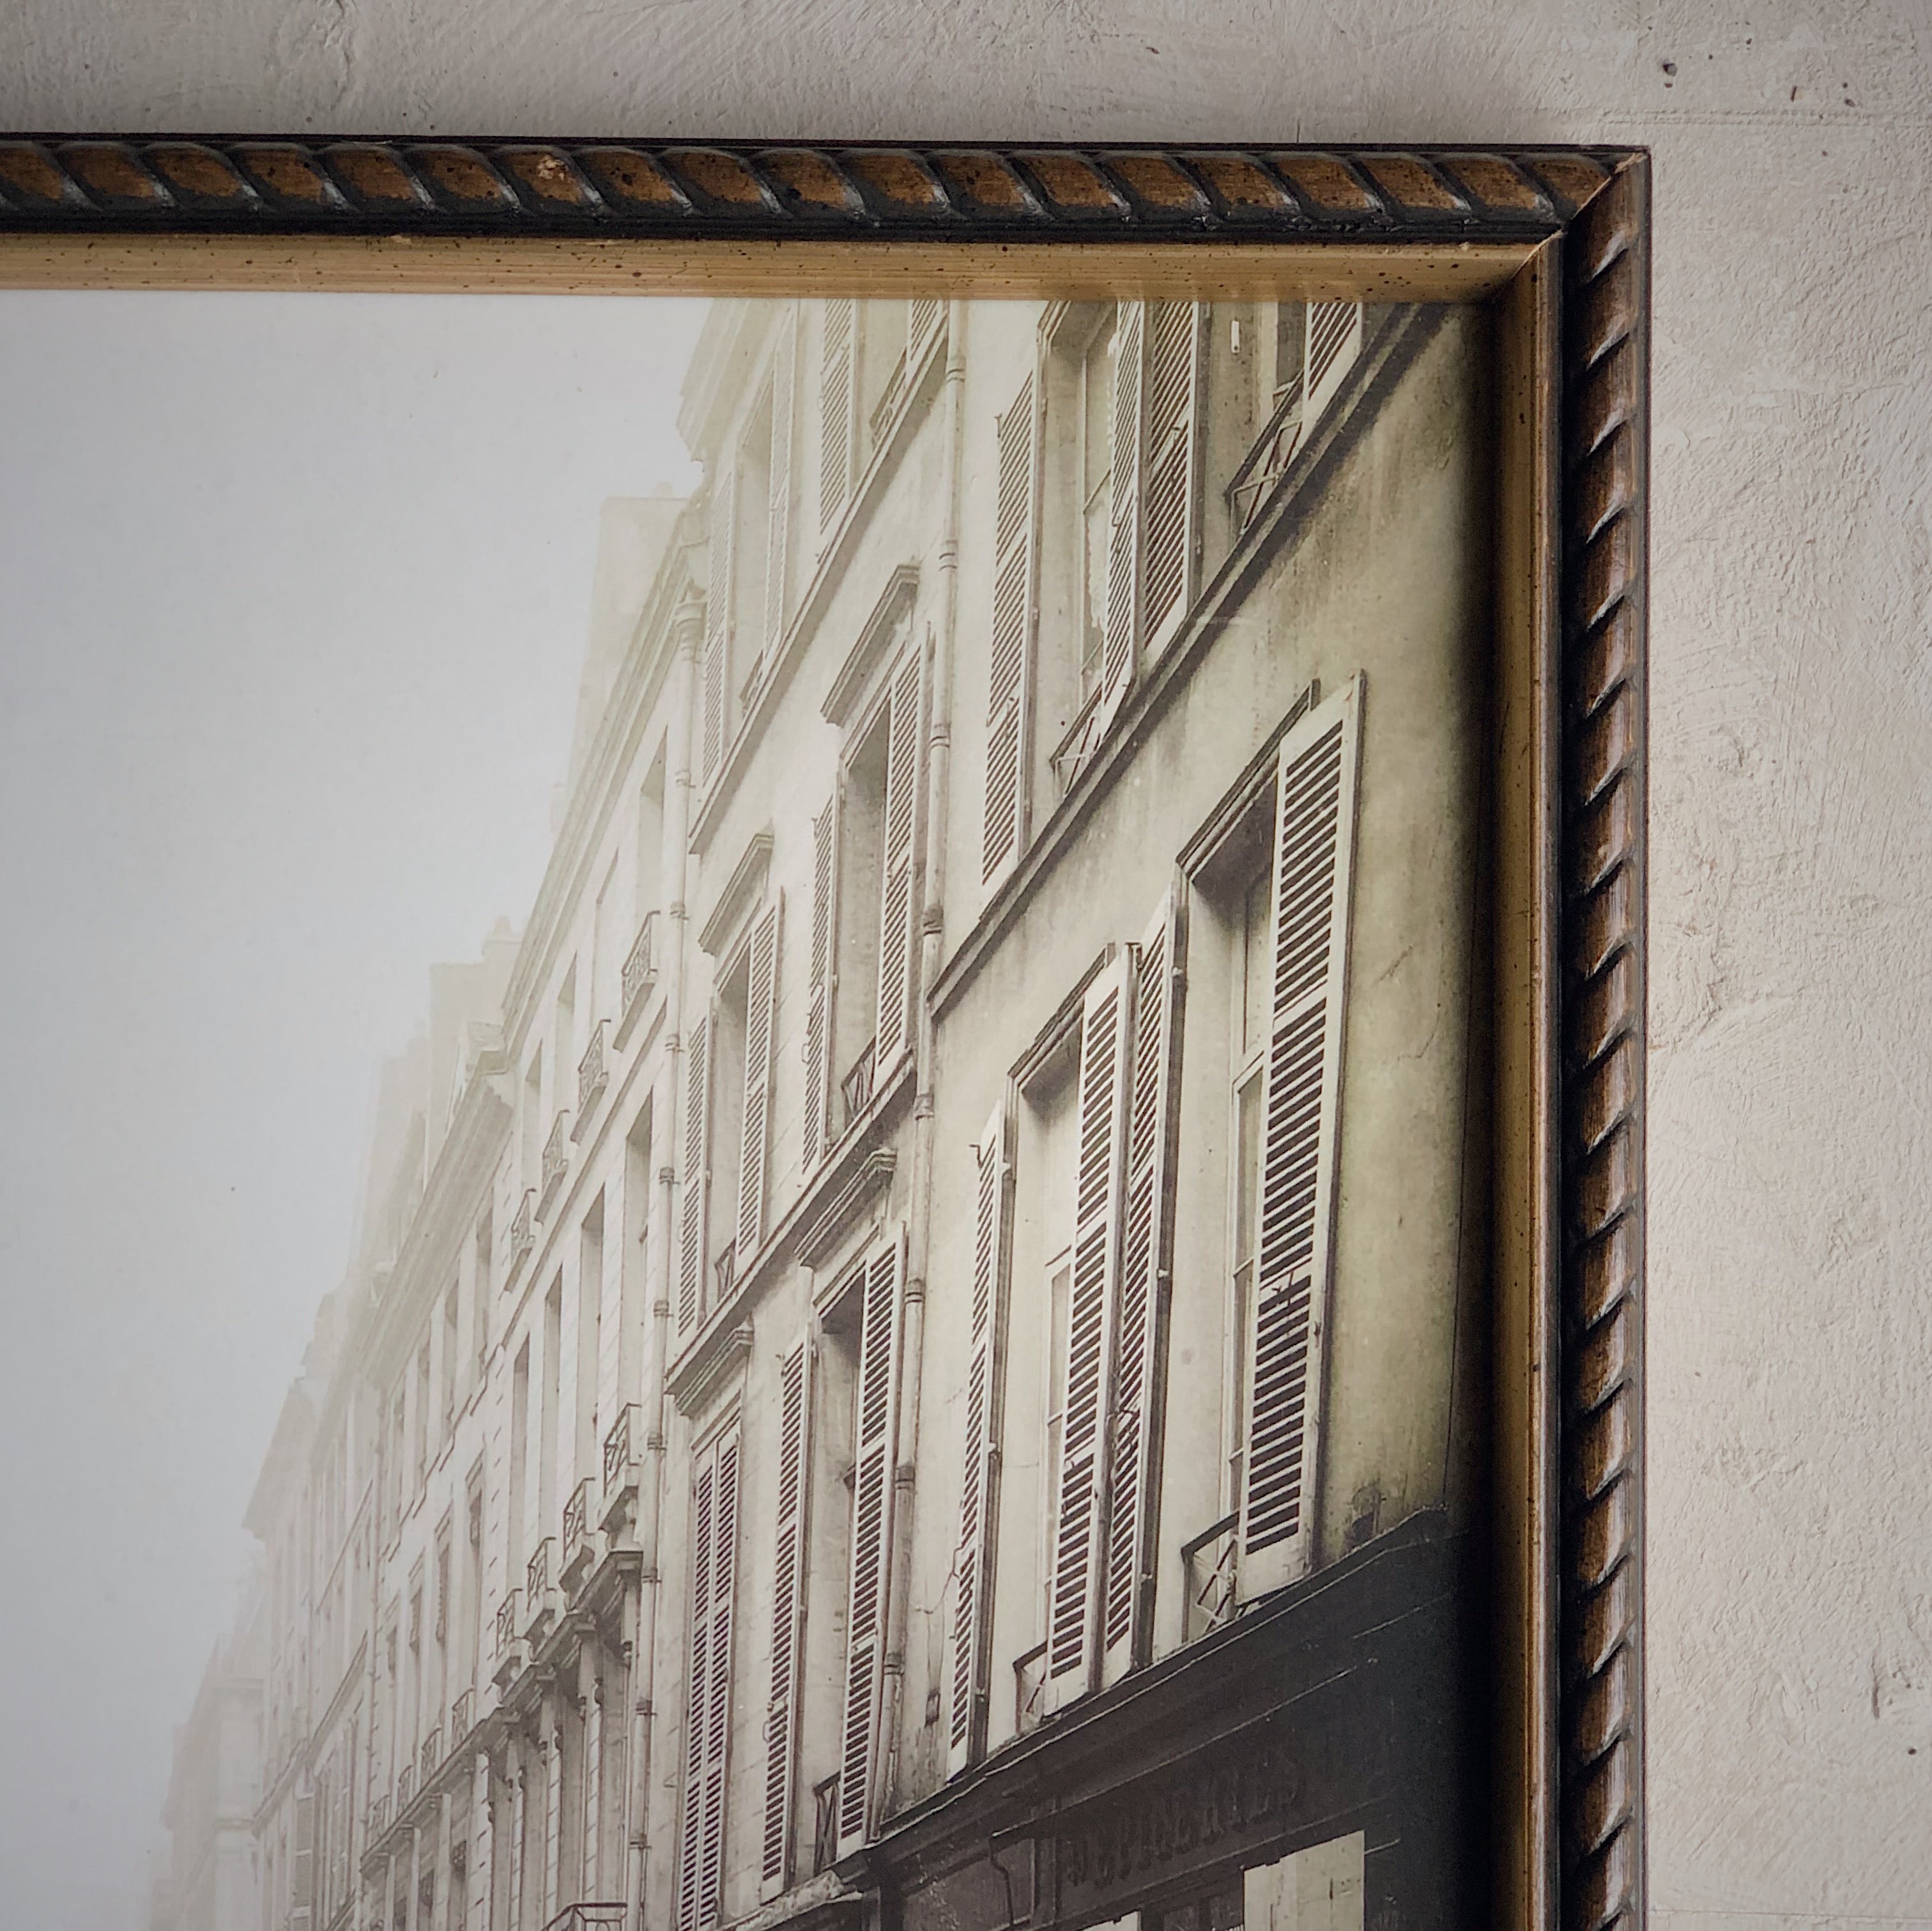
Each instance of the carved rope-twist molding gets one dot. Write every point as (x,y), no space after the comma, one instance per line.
(1604,589)
(241,183)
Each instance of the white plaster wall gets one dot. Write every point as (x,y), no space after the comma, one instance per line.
(1791,1579)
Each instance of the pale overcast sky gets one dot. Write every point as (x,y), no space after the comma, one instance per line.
(293,594)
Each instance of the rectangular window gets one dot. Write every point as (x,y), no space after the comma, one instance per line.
(516,1530)
(714,1538)
(790,1561)
(548,1419)
(590,1336)
(452,1354)
(482,1259)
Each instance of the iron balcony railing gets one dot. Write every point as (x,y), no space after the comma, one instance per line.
(576,1521)
(378,1816)
(617,1448)
(523,1231)
(855,1089)
(1030,1689)
(405,1787)
(431,1757)
(536,1574)
(825,1824)
(724,1274)
(506,1624)
(641,967)
(602,1917)
(462,1717)
(1208,1574)
(593,1075)
(556,1161)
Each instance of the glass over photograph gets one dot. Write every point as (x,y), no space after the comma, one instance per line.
(904,1346)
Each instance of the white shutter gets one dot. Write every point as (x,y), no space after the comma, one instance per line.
(1141,1331)
(788,1574)
(717,627)
(593,1794)
(778,524)
(897,954)
(816,1132)
(1122,631)
(1010,680)
(708,1707)
(552,1756)
(836,402)
(1334,339)
(1314,814)
(923,318)
(693,1176)
(301,1865)
(979,1459)
(1176,354)
(871,1539)
(1079,1539)
(520,1821)
(760,1013)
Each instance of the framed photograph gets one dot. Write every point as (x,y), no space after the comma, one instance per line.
(1011,1295)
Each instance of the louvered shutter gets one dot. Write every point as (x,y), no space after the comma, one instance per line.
(693,1176)
(1334,337)
(1146,1265)
(724,1579)
(698,1700)
(1079,1539)
(1315,812)
(896,952)
(1176,354)
(1122,631)
(871,1539)
(923,318)
(979,1459)
(778,523)
(1009,682)
(788,1574)
(301,1865)
(836,390)
(553,1757)
(708,1708)
(593,1794)
(717,627)
(816,1131)
(760,1013)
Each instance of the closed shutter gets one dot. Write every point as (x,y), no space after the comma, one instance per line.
(1146,1265)
(778,524)
(835,402)
(1334,338)
(717,627)
(708,1705)
(552,1822)
(593,1794)
(693,1176)
(1010,684)
(1176,353)
(871,1539)
(788,1574)
(760,1012)
(1122,631)
(897,955)
(301,1865)
(979,1459)
(1315,812)
(1079,1541)
(816,1130)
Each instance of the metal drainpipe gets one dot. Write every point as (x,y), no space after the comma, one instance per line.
(938,766)
(688,624)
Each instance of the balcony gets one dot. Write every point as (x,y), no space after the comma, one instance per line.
(1207,1570)
(579,1543)
(620,1467)
(430,1760)
(1267,461)
(640,972)
(510,1652)
(890,400)
(593,1075)
(588,1917)
(523,1231)
(462,1717)
(556,1163)
(1030,1689)
(540,1603)
(825,1824)
(405,1787)
(724,1274)
(855,1090)
(379,1816)
(1077,741)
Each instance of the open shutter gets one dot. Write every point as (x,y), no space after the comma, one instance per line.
(923,315)
(871,1539)
(717,627)
(760,1011)
(301,1865)
(816,1131)
(1079,1539)
(1146,1268)
(1009,692)
(1314,813)
(788,1574)
(1176,353)
(779,526)
(1122,632)
(836,391)
(979,1469)
(1334,338)
(896,952)
(693,1176)
(717,1724)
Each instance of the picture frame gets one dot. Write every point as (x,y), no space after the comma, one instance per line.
(1554,244)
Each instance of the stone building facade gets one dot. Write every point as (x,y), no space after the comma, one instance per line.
(916,1354)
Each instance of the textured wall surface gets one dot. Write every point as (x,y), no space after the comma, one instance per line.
(1791,1433)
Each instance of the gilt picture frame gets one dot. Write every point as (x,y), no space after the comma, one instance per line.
(1544,254)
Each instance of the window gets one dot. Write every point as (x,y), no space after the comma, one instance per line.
(516,1530)
(547,1421)
(589,1336)
(482,1258)
(1305,350)
(424,1390)
(1095,467)
(714,1540)
(861,1018)
(452,1353)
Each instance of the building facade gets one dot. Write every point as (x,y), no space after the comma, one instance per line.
(916,1355)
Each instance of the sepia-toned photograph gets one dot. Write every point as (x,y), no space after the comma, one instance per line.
(752,1040)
